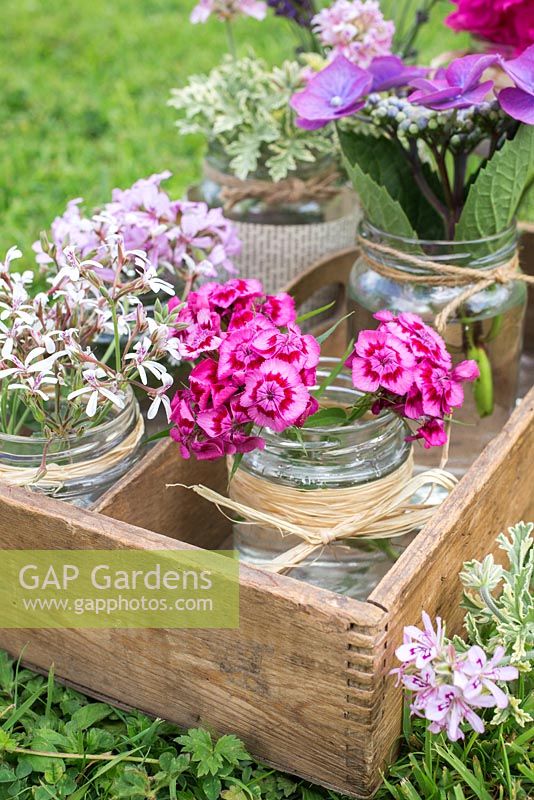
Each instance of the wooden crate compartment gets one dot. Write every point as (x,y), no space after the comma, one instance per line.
(304,680)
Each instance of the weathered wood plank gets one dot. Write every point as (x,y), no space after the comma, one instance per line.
(141,497)
(279,681)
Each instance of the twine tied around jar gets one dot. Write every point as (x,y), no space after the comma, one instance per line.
(53,476)
(475,280)
(380,509)
(322,186)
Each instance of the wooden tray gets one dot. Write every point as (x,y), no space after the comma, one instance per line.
(304,680)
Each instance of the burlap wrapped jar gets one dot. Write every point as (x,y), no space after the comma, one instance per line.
(284,226)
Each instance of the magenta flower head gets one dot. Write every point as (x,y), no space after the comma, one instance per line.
(390,72)
(405,364)
(518,100)
(337,91)
(458,86)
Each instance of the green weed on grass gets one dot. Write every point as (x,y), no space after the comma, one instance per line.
(57,744)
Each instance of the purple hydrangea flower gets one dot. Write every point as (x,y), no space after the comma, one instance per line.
(337,91)
(457,86)
(390,72)
(518,100)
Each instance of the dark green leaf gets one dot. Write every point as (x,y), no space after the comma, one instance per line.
(211,786)
(7,775)
(89,715)
(231,749)
(494,197)
(6,672)
(464,772)
(157,436)
(384,163)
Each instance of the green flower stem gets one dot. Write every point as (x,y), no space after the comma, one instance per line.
(21,421)
(491,604)
(3,407)
(109,352)
(116,336)
(420,18)
(85,756)
(230,39)
(422,184)
(13,413)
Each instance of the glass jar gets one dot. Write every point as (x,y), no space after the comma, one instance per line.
(97,458)
(328,458)
(257,210)
(488,326)
(280,240)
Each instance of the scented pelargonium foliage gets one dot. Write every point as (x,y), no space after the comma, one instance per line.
(52,382)
(504,22)
(253,368)
(242,109)
(441,142)
(183,239)
(405,366)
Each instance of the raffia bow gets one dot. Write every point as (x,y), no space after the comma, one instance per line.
(475,280)
(381,509)
(322,186)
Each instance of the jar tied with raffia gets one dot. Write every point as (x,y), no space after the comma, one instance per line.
(344,490)
(78,467)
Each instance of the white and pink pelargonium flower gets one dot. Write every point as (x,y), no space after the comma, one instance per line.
(35,385)
(140,358)
(449,688)
(31,365)
(96,389)
(160,397)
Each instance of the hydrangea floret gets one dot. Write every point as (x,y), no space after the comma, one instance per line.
(430,153)
(52,382)
(432,124)
(253,368)
(182,240)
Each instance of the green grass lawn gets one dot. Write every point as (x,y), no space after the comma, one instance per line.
(83,96)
